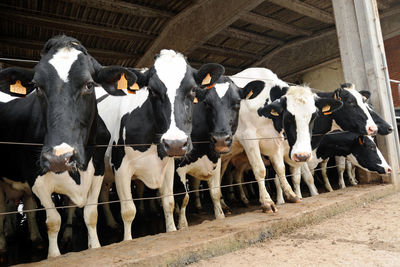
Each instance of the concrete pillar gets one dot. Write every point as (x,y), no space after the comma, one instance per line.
(364,64)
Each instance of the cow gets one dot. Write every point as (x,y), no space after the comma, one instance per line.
(215,120)
(259,136)
(60,113)
(146,151)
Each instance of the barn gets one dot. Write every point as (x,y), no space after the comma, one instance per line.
(322,43)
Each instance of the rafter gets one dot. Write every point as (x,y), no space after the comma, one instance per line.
(228,52)
(250,37)
(63,24)
(306,10)
(123,8)
(274,24)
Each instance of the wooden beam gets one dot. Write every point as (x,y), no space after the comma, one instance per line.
(123,8)
(228,52)
(250,37)
(274,24)
(196,24)
(395,10)
(383,4)
(68,25)
(306,10)
(38,45)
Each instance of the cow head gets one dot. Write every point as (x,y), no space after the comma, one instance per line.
(64,80)
(222,103)
(295,111)
(354,115)
(384,128)
(365,154)
(173,85)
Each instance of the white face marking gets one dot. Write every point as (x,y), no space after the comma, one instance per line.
(221,88)
(62,149)
(362,105)
(383,163)
(171,69)
(63,60)
(301,104)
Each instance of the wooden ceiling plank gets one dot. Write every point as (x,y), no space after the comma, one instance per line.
(306,10)
(250,37)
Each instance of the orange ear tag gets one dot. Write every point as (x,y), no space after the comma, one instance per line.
(274,113)
(360,141)
(327,113)
(135,87)
(18,88)
(249,94)
(207,79)
(195,100)
(326,108)
(210,86)
(122,82)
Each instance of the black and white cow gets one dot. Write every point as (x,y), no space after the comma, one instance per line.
(62,115)
(215,120)
(164,109)
(257,136)
(360,150)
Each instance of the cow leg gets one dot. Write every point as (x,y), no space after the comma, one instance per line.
(90,212)
(30,204)
(128,210)
(296,179)
(214,184)
(182,223)
(252,149)
(43,191)
(3,243)
(166,191)
(351,172)
(229,181)
(105,197)
(279,192)
(279,166)
(196,186)
(67,235)
(309,179)
(238,179)
(325,176)
(340,166)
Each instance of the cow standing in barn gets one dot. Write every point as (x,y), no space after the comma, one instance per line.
(61,113)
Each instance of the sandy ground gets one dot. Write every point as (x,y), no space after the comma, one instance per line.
(366,236)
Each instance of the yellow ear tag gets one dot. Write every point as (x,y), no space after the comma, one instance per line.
(122,82)
(18,88)
(74,43)
(249,94)
(326,108)
(210,86)
(195,100)
(135,87)
(207,79)
(274,113)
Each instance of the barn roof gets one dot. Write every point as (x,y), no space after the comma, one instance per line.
(235,33)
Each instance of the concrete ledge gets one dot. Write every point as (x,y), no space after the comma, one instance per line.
(212,238)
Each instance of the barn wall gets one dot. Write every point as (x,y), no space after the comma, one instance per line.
(326,78)
(392,50)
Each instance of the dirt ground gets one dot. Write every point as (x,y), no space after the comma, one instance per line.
(366,236)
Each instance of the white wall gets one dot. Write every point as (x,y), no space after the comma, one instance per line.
(325,78)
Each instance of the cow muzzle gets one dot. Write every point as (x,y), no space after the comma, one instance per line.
(372,130)
(175,148)
(222,143)
(301,157)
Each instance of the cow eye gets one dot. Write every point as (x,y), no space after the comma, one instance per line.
(88,88)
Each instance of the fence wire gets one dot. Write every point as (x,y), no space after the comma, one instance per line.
(152,198)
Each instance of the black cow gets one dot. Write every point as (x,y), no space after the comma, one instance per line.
(215,120)
(61,113)
(164,109)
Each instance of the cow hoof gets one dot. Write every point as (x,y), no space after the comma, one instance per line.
(295,199)
(39,244)
(227,210)
(269,208)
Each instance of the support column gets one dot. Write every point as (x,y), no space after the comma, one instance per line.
(364,64)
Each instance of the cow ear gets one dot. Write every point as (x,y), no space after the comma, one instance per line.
(365,94)
(208,74)
(115,78)
(328,105)
(272,110)
(16,81)
(277,92)
(252,89)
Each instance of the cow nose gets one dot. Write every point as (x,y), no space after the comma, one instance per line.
(58,163)
(301,157)
(390,129)
(388,170)
(175,148)
(222,143)
(372,130)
